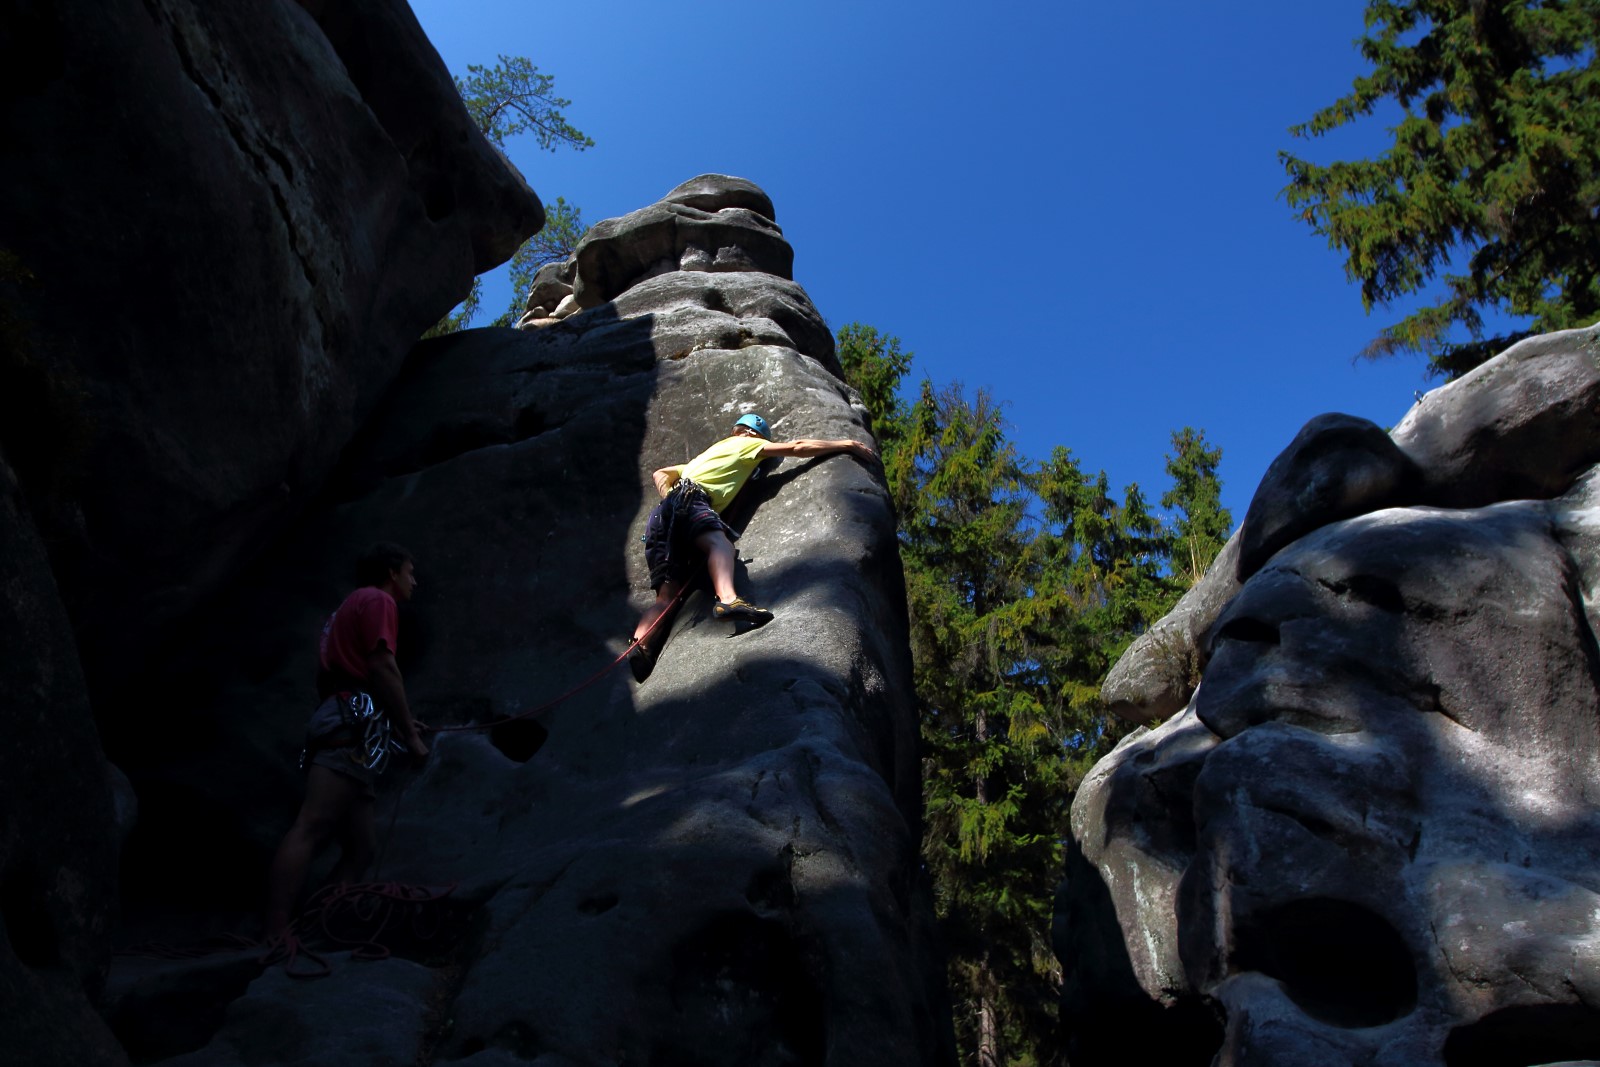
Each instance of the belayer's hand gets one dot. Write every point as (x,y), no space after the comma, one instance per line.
(416,746)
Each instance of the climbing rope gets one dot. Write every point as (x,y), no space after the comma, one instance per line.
(575,690)
(369,908)
(376,905)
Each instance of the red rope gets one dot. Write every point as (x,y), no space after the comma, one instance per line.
(575,690)
(374,906)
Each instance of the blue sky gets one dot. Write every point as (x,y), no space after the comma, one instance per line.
(1075,206)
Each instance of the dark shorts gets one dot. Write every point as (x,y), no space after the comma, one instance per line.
(327,721)
(669,536)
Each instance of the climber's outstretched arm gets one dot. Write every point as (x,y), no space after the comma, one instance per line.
(808,446)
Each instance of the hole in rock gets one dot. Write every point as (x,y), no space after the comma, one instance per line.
(1370,589)
(530,423)
(519,739)
(27,921)
(772,888)
(1522,1037)
(1248,629)
(1343,964)
(457,439)
(746,980)
(598,905)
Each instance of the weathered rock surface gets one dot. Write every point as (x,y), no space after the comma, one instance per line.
(710,223)
(717,867)
(1155,678)
(1337,466)
(1373,836)
(58,840)
(268,203)
(1523,425)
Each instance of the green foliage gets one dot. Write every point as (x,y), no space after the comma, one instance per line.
(1024,583)
(1202,524)
(563,229)
(874,364)
(506,100)
(1496,160)
(462,315)
(512,98)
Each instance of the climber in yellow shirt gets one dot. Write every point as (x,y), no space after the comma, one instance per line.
(688,524)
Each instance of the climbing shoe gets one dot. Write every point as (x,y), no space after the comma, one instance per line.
(740,610)
(641,661)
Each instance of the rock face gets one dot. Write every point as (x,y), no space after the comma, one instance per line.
(1525,424)
(222,226)
(716,867)
(57,849)
(1373,835)
(233,220)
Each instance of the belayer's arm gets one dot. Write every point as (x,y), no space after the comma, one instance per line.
(383,674)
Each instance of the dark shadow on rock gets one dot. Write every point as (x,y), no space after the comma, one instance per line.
(495,538)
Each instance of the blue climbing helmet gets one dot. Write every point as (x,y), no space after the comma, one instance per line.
(756,423)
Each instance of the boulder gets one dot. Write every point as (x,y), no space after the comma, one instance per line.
(673,234)
(713,192)
(719,866)
(276,200)
(1370,836)
(552,283)
(1524,424)
(1337,466)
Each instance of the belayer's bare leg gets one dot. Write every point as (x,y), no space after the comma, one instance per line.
(359,844)
(329,804)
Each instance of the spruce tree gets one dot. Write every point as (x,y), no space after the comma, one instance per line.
(1493,176)
(1202,524)
(1024,583)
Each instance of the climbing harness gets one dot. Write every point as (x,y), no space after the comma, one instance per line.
(363,727)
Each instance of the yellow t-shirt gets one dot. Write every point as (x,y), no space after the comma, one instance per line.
(722,469)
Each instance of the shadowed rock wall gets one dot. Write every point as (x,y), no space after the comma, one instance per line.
(234,220)
(1372,835)
(718,866)
(222,226)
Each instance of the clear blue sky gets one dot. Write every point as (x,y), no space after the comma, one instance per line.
(1073,205)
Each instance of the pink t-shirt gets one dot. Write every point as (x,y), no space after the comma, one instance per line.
(367,621)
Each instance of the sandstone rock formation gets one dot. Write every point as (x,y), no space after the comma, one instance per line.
(1373,835)
(1526,425)
(716,867)
(234,220)
(221,229)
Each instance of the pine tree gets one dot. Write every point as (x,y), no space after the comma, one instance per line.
(506,100)
(1496,161)
(563,229)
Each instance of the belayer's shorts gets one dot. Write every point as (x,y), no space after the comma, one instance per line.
(329,719)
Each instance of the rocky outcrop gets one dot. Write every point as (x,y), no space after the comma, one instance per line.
(233,220)
(716,867)
(223,227)
(1370,837)
(1525,425)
